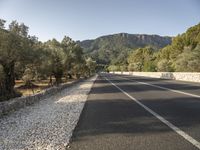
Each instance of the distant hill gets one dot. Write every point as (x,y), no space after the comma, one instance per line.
(110,48)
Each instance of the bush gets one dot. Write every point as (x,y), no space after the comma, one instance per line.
(28,77)
(164,66)
(113,68)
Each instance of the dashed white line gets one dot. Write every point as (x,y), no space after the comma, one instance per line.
(170,125)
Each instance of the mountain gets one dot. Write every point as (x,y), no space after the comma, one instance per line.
(114,48)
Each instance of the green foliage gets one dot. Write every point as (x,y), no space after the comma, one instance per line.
(91,65)
(113,68)
(189,60)
(131,52)
(132,67)
(56,59)
(28,76)
(164,66)
(149,66)
(74,61)
(141,60)
(2,24)
(14,47)
(123,67)
(114,49)
(182,54)
(23,57)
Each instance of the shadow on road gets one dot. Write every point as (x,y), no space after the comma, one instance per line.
(109,111)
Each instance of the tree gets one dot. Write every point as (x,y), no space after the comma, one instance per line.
(164,66)
(15,46)
(78,60)
(2,24)
(44,64)
(149,66)
(142,59)
(23,57)
(2,83)
(123,67)
(91,65)
(189,60)
(68,45)
(182,54)
(28,76)
(74,61)
(113,68)
(135,66)
(9,53)
(56,59)
(131,67)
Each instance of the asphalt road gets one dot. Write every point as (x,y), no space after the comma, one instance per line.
(137,113)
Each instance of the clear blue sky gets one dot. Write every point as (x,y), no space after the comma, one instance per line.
(88,19)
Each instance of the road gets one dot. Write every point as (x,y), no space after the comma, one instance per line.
(127,112)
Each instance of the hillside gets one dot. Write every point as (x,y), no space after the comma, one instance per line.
(183,54)
(113,48)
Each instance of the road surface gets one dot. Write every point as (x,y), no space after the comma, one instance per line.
(137,113)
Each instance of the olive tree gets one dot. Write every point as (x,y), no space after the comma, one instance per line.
(74,60)
(15,47)
(11,50)
(91,65)
(56,59)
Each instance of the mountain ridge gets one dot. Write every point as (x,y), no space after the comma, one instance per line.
(108,47)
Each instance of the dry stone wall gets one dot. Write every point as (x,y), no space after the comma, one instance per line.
(183,76)
(20,102)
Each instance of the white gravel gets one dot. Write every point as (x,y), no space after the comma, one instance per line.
(46,125)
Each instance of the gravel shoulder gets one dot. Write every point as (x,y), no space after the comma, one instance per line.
(47,124)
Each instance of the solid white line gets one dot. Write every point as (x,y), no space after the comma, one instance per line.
(164,88)
(173,127)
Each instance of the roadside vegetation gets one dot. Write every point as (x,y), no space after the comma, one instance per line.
(28,65)
(182,55)
(36,65)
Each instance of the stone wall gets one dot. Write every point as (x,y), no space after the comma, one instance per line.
(20,102)
(183,76)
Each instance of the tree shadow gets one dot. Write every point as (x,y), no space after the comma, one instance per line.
(167,83)
(127,117)
(132,86)
(108,111)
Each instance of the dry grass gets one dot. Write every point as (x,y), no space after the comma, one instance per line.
(38,86)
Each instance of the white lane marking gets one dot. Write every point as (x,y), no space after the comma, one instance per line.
(173,127)
(164,88)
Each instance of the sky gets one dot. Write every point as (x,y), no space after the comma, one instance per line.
(89,19)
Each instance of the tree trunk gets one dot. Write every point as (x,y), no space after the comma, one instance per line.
(9,81)
(58,79)
(50,81)
(69,76)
